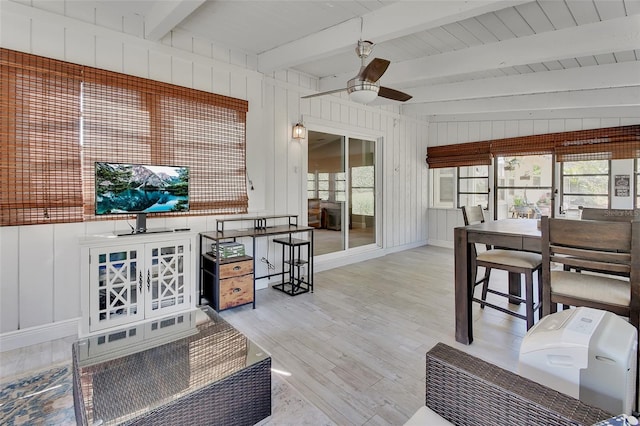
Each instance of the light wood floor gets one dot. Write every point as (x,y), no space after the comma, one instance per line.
(356,347)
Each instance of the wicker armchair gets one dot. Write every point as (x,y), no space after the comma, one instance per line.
(468,391)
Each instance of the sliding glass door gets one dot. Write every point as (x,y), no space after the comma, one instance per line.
(341,191)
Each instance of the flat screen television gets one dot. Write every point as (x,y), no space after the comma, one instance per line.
(140,189)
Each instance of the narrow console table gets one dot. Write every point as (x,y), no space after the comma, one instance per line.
(188,368)
(224,291)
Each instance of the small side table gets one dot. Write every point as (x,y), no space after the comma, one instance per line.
(292,264)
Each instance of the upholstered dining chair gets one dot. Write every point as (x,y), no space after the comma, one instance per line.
(513,261)
(608,255)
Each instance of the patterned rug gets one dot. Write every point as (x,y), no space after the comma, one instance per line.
(46,398)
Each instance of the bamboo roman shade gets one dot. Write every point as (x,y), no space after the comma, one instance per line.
(596,144)
(611,143)
(463,154)
(58,119)
(40,179)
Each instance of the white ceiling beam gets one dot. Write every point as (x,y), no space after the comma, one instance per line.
(615,35)
(598,98)
(623,74)
(166,15)
(393,21)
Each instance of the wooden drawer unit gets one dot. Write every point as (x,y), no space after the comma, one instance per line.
(235,269)
(236,291)
(228,284)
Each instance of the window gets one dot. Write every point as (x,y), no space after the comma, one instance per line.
(473,186)
(363,190)
(58,119)
(524,186)
(585,184)
(443,188)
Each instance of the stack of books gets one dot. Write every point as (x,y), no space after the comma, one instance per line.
(227,249)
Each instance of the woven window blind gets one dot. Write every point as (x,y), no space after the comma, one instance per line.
(612,143)
(39,140)
(596,144)
(530,145)
(457,155)
(58,119)
(128,119)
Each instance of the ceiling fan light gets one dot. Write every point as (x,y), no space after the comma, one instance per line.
(363,93)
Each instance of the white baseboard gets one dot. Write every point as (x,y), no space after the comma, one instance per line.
(40,334)
(441,243)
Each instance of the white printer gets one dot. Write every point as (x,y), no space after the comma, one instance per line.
(586,353)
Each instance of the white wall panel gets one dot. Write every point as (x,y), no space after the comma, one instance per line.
(135,61)
(181,72)
(202,47)
(181,40)
(10,278)
(108,54)
(511,128)
(66,271)
(220,53)
(15,30)
(159,66)
(540,127)
(83,11)
(80,48)
(36,275)
(47,39)
(133,25)
(106,16)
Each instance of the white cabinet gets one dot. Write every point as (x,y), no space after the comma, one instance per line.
(133,279)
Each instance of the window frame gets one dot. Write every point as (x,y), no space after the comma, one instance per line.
(460,178)
(564,194)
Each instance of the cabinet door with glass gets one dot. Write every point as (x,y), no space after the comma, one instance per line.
(166,277)
(137,281)
(116,286)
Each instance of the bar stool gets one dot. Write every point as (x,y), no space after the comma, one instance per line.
(292,266)
(513,261)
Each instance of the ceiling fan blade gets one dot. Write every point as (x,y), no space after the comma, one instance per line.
(323,93)
(396,95)
(374,70)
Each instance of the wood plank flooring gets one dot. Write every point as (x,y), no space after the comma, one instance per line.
(356,347)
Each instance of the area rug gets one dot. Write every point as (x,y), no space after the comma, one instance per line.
(46,398)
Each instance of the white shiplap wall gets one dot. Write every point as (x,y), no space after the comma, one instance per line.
(442,221)
(40,282)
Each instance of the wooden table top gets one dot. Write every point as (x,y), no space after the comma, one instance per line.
(526,227)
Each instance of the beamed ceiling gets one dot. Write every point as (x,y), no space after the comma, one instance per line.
(453,57)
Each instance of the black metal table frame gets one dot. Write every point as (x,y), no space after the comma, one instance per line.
(260,230)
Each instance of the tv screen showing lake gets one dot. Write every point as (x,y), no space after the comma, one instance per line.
(127,188)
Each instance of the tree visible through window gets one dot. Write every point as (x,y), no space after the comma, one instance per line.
(585,184)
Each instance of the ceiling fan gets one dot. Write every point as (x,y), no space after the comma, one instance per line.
(364,87)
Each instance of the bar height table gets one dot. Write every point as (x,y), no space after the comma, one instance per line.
(517,234)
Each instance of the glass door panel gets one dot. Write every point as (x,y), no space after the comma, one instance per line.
(326,191)
(362,190)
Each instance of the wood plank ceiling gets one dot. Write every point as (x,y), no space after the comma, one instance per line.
(454,57)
